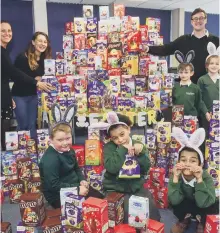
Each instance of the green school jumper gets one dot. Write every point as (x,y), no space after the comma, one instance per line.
(190,97)
(114,157)
(203,193)
(209,91)
(58,170)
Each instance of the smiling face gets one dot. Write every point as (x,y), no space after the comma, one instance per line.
(120,135)
(40,43)
(62,141)
(6,34)
(213,65)
(199,21)
(185,74)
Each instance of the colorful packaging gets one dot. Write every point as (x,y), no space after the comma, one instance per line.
(93,134)
(80,41)
(154,82)
(168,81)
(135,23)
(80,154)
(34,185)
(59,67)
(24,168)
(52,225)
(49,67)
(67,42)
(162,198)
(16,189)
(95,215)
(130,168)
(95,181)
(69,28)
(129,64)
(65,194)
(177,115)
(87,12)
(155,227)
(81,102)
(164,132)
(11,140)
(150,139)
(134,41)
(32,209)
(115,208)
(215,110)
(140,84)
(103,12)
(189,124)
(212,224)
(138,211)
(157,177)
(119,10)
(93,152)
(6,227)
(122,228)
(25,229)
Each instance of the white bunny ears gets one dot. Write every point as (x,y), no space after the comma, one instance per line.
(57,115)
(112,119)
(212,50)
(194,142)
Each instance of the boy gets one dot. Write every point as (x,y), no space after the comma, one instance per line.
(187,93)
(191,190)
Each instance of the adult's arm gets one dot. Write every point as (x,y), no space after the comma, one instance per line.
(167,49)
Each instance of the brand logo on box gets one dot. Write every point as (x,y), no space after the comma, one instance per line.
(15,186)
(90,209)
(28,204)
(53,229)
(137,204)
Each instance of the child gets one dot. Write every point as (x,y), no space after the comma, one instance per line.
(191,190)
(114,157)
(187,93)
(58,166)
(209,83)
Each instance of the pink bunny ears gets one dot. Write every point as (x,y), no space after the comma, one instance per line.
(212,50)
(194,142)
(112,119)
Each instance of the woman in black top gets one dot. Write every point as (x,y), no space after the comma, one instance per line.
(9,71)
(31,62)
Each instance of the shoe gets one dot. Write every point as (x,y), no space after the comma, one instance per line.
(180,227)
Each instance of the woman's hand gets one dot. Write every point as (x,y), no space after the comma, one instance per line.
(45,86)
(38,78)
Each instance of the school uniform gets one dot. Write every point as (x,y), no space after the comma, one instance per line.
(192,197)
(114,157)
(188,95)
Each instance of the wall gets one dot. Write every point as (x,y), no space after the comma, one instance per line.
(19,14)
(212,24)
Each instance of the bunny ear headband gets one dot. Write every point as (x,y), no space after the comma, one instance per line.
(194,142)
(181,59)
(112,119)
(212,50)
(57,116)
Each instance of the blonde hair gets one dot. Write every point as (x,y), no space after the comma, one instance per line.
(207,62)
(62,127)
(30,52)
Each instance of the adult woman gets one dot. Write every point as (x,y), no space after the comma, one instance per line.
(10,71)
(24,94)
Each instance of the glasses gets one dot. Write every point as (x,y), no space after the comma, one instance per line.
(198,19)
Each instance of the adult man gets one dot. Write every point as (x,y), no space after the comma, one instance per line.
(196,41)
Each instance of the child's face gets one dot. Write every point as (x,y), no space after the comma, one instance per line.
(62,141)
(213,66)
(120,135)
(189,159)
(186,74)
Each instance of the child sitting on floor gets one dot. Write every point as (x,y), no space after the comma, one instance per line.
(58,166)
(191,190)
(115,151)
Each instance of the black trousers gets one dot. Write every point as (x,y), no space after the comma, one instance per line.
(5,127)
(92,193)
(189,207)
(154,212)
(203,123)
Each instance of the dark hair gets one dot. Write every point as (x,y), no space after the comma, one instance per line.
(5,21)
(30,51)
(189,149)
(122,118)
(183,66)
(198,10)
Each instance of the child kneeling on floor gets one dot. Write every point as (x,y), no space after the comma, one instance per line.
(58,166)
(115,151)
(191,190)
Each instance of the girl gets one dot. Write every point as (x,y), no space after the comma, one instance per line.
(209,83)
(24,94)
(10,71)
(114,157)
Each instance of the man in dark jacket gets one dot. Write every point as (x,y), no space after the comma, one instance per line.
(196,41)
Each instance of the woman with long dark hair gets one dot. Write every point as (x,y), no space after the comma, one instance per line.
(9,71)
(24,94)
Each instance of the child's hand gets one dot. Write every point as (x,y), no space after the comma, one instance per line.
(197,172)
(84,183)
(83,191)
(208,116)
(130,149)
(177,170)
(138,148)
